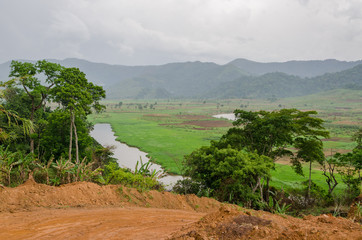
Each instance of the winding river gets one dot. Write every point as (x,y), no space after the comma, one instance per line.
(127,156)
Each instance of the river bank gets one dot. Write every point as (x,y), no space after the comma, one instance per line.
(127,156)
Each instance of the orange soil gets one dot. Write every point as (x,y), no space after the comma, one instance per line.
(87,211)
(230,223)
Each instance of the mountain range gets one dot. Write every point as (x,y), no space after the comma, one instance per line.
(240,78)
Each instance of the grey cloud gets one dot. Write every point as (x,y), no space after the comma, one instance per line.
(155,32)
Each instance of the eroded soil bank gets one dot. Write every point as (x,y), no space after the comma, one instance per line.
(89,211)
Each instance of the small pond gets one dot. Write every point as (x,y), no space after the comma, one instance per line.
(229,116)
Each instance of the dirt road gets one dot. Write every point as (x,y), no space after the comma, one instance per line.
(88,211)
(98,223)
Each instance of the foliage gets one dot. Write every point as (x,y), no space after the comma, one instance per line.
(9,114)
(281,208)
(349,167)
(144,169)
(329,166)
(299,201)
(103,156)
(270,133)
(357,214)
(116,175)
(188,186)
(233,175)
(24,74)
(309,150)
(14,167)
(54,140)
(73,91)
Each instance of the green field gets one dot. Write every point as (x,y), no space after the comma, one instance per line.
(169,129)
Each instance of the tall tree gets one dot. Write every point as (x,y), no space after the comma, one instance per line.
(309,150)
(270,133)
(26,74)
(78,96)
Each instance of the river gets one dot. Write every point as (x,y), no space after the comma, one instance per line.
(127,156)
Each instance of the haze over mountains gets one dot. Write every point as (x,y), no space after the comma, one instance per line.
(240,78)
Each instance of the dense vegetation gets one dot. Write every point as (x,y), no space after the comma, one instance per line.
(237,168)
(281,85)
(44,130)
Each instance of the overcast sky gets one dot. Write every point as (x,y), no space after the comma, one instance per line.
(153,32)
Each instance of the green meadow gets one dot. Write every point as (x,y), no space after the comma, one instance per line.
(169,129)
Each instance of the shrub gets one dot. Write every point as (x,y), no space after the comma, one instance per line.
(116,175)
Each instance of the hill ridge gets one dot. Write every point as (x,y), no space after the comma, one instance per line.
(238,78)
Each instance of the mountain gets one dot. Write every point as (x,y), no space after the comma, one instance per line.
(282,85)
(180,80)
(239,78)
(298,68)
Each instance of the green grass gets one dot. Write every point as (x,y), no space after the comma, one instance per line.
(284,177)
(165,144)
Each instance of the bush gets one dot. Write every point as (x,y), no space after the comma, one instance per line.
(233,175)
(116,175)
(188,186)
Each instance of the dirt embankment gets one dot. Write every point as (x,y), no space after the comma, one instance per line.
(32,195)
(88,211)
(229,224)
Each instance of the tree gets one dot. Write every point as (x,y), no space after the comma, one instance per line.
(11,116)
(350,165)
(310,149)
(233,175)
(25,74)
(271,133)
(329,167)
(77,96)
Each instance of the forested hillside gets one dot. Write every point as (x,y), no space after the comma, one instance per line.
(281,85)
(239,78)
(297,68)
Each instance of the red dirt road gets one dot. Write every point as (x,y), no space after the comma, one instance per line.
(88,211)
(98,223)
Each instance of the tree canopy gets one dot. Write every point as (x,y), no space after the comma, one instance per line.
(246,153)
(41,83)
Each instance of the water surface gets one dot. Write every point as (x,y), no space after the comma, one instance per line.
(229,116)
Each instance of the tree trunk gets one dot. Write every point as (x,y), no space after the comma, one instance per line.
(71,136)
(76,141)
(310,179)
(267,189)
(261,190)
(31,131)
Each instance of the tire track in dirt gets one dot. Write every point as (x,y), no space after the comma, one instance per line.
(99,223)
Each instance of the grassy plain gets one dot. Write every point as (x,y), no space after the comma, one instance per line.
(170,129)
